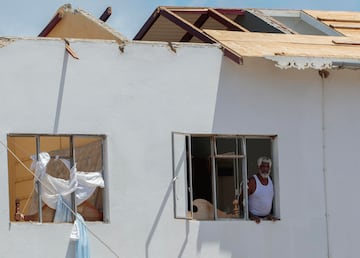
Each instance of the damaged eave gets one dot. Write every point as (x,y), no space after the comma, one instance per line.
(293,51)
(232,55)
(5,41)
(317,63)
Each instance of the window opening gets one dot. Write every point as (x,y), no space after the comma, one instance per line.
(215,170)
(73,167)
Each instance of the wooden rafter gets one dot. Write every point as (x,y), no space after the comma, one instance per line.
(106,14)
(228,23)
(55,20)
(198,23)
(185,25)
(148,24)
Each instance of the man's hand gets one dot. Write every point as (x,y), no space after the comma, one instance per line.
(255,218)
(272,218)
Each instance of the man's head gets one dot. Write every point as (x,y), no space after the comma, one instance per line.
(264,166)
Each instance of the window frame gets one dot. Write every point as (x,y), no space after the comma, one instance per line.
(241,140)
(72,160)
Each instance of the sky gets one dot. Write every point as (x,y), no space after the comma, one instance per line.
(25,18)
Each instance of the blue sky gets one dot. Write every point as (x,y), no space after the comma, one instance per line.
(27,18)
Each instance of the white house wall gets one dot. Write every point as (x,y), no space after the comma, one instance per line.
(258,98)
(342,129)
(137,98)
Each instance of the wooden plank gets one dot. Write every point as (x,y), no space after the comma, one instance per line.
(334,15)
(351,29)
(261,49)
(266,44)
(345,26)
(349,32)
(338,24)
(346,41)
(271,37)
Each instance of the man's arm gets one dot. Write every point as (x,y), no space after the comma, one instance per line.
(251,185)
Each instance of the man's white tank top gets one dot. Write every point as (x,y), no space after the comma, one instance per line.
(260,201)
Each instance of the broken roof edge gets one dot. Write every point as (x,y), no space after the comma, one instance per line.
(173,46)
(103,24)
(54,20)
(174,10)
(317,63)
(67,8)
(298,51)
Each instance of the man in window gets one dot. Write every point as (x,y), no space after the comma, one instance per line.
(261,192)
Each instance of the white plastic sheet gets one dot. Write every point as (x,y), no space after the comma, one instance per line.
(82,183)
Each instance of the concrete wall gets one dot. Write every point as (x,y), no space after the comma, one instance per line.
(137,98)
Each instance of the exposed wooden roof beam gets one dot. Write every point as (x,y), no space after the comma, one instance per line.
(230,11)
(198,23)
(190,28)
(228,23)
(232,55)
(55,20)
(186,9)
(185,25)
(106,14)
(148,24)
(203,10)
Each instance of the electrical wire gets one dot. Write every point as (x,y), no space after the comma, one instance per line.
(65,204)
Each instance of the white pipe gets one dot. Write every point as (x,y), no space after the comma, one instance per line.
(323,129)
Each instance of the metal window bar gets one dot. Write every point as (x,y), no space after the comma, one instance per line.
(173,169)
(235,157)
(245,201)
(275,169)
(189,180)
(72,162)
(105,205)
(38,184)
(213,151)
(175,175)
(236,168)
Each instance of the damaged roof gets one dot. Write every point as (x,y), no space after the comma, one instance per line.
(261,32)
(76,23)
(347,23)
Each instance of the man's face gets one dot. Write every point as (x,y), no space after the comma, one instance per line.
(264,169)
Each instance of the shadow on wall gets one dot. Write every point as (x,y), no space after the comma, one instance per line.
(168,193)
(224,234)
(70,252)
(61,91)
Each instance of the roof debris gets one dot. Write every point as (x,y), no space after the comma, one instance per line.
(5,41)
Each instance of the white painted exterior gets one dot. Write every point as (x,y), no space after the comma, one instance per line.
(138,97)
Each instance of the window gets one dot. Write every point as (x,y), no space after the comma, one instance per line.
(209,171)
(50,175)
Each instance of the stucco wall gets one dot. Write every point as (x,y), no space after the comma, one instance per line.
(137,98)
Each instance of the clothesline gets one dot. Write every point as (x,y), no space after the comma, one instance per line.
(63,202)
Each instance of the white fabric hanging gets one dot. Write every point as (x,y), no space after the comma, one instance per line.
(79,234)
(82,183)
